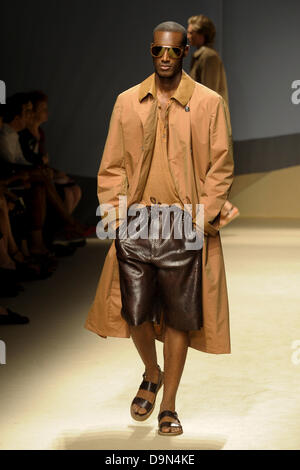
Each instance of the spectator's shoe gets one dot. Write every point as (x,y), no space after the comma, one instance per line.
(27,272)
(13,318)
(9,286)
(232,214)
(34,269)
(61,250)
(47,261)
(90,231)
(68,236)
(9,291)
(79,232)
(78,244)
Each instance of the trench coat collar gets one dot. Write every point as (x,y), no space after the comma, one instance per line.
(183,93)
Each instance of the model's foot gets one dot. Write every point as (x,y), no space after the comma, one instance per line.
(167,429)
(152,375)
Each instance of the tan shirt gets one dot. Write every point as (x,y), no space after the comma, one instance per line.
(160,186)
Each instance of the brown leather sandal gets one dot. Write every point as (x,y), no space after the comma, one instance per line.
(169,424)
(149,407)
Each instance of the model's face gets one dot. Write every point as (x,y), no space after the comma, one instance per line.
(195,39)
(165,66)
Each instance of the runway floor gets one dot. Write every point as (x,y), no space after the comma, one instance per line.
(63,387)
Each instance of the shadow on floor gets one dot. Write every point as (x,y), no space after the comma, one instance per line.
(136,438)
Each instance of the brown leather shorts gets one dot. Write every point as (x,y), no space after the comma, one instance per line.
(160,275)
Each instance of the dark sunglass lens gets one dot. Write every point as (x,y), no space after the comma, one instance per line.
(177,51)
(157,51)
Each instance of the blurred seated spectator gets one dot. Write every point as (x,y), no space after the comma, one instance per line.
(14,164)
(14,118)
(42,189)
(32,141)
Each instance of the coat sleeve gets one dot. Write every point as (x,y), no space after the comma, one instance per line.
(219,177)
(112,178)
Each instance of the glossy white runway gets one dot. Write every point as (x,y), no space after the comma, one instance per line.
(63,387)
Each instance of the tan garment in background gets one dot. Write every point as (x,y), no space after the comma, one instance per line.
(207,68)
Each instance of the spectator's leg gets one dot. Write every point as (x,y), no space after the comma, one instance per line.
(36,203)
(12,247)
(7,239)
(5,261)
(55,200)
(68,200)
(73,195)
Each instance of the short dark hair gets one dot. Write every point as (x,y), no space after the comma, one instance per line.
(14,106)
(173,27)
(36,97)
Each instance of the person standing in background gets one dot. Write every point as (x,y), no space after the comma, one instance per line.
(207,68)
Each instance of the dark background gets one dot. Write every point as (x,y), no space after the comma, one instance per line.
(83,53)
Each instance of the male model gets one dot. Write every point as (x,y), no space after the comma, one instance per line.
(207,68)
(169,145)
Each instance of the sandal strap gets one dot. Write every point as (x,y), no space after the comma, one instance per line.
(172,414)
(142,403)
(169,424)
(144,374)
(149,386)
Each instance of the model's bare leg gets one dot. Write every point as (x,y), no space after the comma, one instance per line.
(144,339)
(175,352)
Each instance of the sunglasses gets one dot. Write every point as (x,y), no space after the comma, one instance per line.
(173,52)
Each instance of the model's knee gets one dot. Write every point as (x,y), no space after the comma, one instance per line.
(174,331)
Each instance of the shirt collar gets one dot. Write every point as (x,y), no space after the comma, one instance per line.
(182,94)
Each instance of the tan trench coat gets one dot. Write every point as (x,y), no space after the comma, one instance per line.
(201,164)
